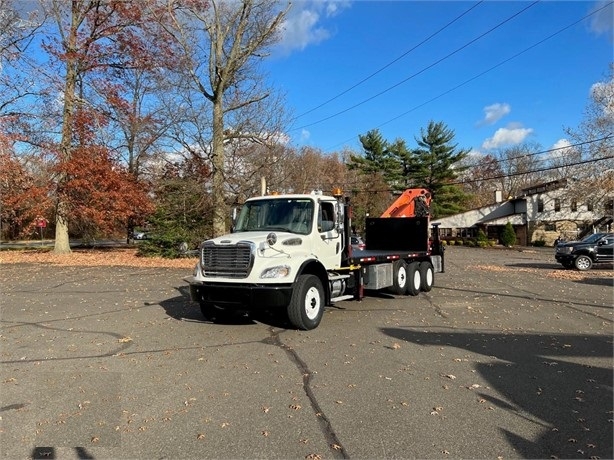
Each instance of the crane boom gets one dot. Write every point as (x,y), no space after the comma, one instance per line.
(413,202)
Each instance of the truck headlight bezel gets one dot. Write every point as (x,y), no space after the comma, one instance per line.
(279,271)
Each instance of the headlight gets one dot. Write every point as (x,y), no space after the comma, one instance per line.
(280,271)
(565,250)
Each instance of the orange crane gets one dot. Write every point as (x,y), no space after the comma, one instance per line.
(413,202)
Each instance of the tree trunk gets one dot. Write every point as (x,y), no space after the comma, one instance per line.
(62,243)
(219,200)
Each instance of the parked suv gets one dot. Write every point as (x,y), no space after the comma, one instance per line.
(595,248)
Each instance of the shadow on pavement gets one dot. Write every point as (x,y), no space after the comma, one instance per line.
(183,309)
(573,400)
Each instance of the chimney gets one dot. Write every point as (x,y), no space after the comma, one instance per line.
(498,196)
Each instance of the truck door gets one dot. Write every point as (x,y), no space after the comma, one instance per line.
(605,249)
(328,246)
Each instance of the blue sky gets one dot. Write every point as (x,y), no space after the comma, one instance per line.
(441,61)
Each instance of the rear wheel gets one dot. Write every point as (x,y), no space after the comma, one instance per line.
(583,263)
(427,276)
(414,280)
(306,305)
(399,277)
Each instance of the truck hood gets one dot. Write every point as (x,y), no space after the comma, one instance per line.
(284,239)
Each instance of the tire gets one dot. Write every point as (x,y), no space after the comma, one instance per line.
(399,277)
(427,276)
(306,305)
(583,263)
(212,313)
(414,280)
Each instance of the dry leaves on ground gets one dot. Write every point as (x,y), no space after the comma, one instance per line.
(94,257)
(554,273)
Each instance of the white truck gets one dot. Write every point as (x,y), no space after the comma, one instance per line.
(293,253)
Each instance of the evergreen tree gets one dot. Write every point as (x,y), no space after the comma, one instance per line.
(407,165)
(508,236)
(376,158)
(436,164)
(450,199)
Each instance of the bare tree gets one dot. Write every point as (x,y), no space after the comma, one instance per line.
(592,160)
(220,44)
(519,164)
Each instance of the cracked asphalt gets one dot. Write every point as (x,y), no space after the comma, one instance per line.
(507,357)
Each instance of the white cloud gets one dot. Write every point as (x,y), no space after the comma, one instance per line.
(303,24)
(305,135)
(560,148)
(506,137)
(494,112)
(602,22)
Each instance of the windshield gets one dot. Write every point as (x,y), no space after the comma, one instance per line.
(593,238)
(294,215)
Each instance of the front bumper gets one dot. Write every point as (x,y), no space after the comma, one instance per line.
(564,258)
(240,296)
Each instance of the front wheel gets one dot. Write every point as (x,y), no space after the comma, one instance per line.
(583,263)
(306,305)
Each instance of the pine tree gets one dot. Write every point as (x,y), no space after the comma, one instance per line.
(376,158)
(508,236)
(437,158)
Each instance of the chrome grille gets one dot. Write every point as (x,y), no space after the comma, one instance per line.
(228,261)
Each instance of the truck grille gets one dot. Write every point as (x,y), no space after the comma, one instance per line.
(228,261)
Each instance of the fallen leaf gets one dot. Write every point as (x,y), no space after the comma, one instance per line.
(200,436)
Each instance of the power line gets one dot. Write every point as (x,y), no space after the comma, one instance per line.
(485,71)
(420,71)
(390,63)
(556,149)
(550,168)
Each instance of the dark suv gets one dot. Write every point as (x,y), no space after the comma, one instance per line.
(595,248)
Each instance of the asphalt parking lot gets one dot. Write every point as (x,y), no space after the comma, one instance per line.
(508,356)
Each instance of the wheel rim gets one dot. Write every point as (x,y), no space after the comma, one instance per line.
(312,303)
(401,277)
(417,280)
(429,277)
(582,263)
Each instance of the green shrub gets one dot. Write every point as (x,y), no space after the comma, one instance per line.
(451,242)
(508,236)
(539,243)
(165,243)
